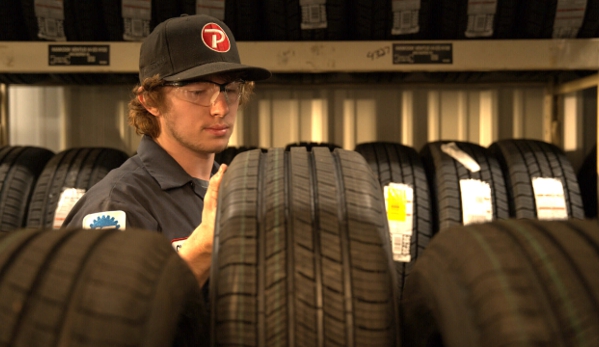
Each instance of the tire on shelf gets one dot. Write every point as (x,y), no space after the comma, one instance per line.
(12,22)
(587,181)
(506,283)
(69,24)
(524,159)
(78,168)
(226,156)
(97,288)
(283,19)
(393,162)
(453,19)
(374,21)
(309,145)
(20,167)
(445,175)
(302,252)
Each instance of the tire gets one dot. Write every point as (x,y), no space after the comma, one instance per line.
(113,17)
(12,22)
(226,156)
(590,24)
(374,21)
(302,252)
(90,20)
(445,173)
(506,283)
(392,162)
(283,20)
(523,160)
(20,168)
(587,181)
(309,145)
(97,288)
(244,18)
(453,19)
(535,20)
(70,25)
(72,168)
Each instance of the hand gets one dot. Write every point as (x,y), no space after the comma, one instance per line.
(197,249)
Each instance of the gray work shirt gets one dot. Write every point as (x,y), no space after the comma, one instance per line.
(153,192)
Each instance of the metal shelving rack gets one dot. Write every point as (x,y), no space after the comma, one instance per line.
(340,56)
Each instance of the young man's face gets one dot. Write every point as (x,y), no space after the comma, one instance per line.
(200,117)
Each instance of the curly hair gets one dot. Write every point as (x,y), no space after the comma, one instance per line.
(154,96)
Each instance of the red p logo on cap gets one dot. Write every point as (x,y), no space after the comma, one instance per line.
(215,38)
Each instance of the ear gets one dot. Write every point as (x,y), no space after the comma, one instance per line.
(153,110)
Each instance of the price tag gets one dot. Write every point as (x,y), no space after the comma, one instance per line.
(477,206)
(136,19)
(68,199)
(569,17)
(50,19)
(399,202)
(549,198)
(481,15)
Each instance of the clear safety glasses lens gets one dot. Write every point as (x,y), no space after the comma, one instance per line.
(205,93)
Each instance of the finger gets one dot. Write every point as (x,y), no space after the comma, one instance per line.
(213,187)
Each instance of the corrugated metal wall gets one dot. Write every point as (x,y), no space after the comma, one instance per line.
(72,116)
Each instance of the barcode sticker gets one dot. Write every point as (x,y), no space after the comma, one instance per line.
(50,19)
(569,17)
(399,203)
(136,19)
(314,14)
(405,17)
(477,206)
(68,199)
(549,198)
(214,8)
(481,16)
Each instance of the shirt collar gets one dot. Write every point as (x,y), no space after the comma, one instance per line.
(164,168)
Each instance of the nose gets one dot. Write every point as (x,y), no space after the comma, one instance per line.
(220,106)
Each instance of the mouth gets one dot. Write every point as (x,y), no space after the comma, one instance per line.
(218,130)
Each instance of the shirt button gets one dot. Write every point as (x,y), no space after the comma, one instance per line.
(191,184)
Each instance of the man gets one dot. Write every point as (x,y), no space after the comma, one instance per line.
(191,86)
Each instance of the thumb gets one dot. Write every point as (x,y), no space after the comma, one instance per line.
(211,197)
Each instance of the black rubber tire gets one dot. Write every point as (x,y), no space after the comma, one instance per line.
(12,22)
(244,18)
(226,156)
(90,20)
(453,19)
(374,21)
(113,17)
(72,168)
(393,162)
(444,174)
(590,24)
(165,9)
(521,160)
(70,25)
(535,19)
(587,181)
(20,168)
(309,145)
(506,283)
(80,287)
(302,252)
(283,19)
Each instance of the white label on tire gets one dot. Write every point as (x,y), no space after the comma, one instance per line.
(569,17)
(314,14)
(399,203)
(214,8)
(405,17)
(549,198)
(477,206)
(50,19)
(136,19)
(452,150)
(481,16)
(68,199)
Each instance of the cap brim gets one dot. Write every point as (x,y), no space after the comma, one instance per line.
(248,73)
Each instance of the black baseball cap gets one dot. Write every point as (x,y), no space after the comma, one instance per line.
(191,46)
